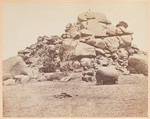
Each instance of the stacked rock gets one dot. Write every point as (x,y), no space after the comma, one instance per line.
(38,54)
(93,35)
(87,45)
(90,43)
(92,47)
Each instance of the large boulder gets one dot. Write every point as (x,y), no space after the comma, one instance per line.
(74,32)
(93,15)
(112,43)
(98,42)
(97,29)
(94,28)
(106,75)
(15,66)
(74,49)
(111,30)
(138,64)
(127,39)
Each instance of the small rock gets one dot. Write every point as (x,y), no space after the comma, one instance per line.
(53,76)
(87,78)
(76,64)
(86,62)
(22,78)
(40,39)
(9,82)
(122,23)
(90,73)
(99,51)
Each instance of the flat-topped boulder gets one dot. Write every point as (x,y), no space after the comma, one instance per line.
(93,15)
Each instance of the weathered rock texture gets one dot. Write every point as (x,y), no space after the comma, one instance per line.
(88,45)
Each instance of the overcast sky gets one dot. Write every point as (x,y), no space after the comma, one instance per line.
(24,22)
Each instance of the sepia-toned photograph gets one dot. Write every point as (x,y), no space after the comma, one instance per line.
(75,59)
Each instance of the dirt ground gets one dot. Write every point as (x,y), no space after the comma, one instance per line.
(128,98)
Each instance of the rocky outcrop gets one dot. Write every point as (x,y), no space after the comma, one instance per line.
(92,44)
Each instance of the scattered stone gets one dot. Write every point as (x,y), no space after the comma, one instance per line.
(9,82)
(7,76)
(62,95)
(87,78)
(53,76)
(106,75)
(71,76)
(41,78)
(22,78)
(90,73)
(65,79)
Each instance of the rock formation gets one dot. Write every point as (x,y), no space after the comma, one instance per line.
(88,45)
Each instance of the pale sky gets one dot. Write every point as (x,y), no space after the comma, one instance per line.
(24,22)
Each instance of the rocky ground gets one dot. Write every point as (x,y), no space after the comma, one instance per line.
(128,98)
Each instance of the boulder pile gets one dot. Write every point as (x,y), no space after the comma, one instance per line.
(85,48)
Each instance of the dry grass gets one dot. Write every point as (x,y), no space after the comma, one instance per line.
(127,98)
